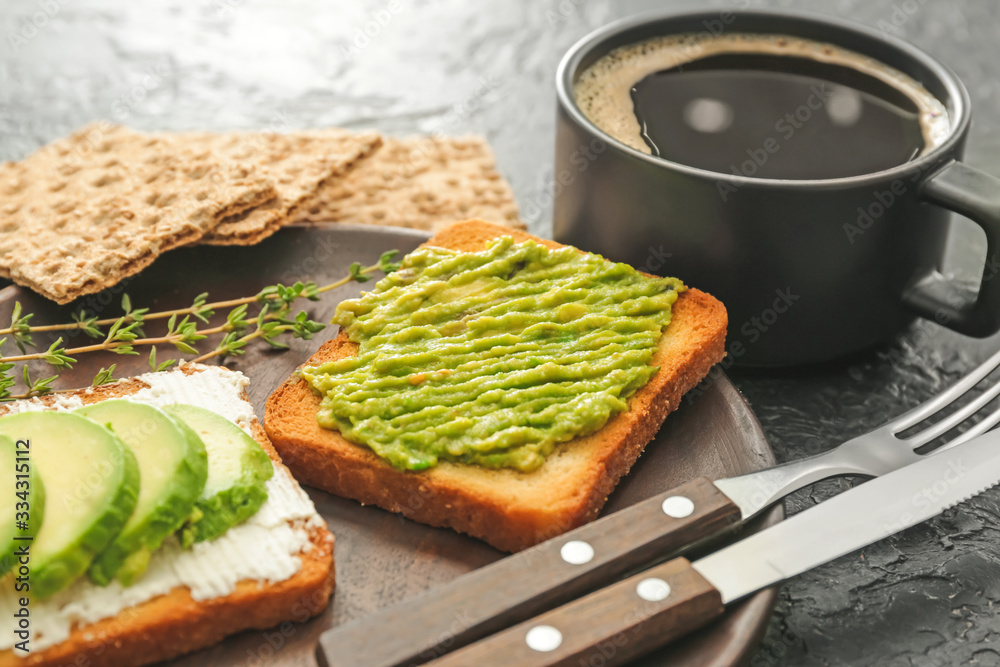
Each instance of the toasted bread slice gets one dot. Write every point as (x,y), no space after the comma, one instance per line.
(509,509)
(173,624)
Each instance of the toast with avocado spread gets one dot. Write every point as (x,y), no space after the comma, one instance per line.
(498,384)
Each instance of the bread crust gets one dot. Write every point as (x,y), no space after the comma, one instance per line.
(509,509)
(174,624)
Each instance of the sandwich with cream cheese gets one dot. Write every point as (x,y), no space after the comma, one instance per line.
(168,522)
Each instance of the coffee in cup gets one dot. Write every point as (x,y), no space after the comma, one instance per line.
(767,106)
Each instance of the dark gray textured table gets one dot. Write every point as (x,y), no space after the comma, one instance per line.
(924,597)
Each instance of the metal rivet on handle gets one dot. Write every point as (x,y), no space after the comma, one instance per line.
(543,638)
(577,552)
(653,589)
(678,507)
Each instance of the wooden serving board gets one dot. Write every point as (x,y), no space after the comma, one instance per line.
(382,558)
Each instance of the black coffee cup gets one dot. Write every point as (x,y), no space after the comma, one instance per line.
(809,270)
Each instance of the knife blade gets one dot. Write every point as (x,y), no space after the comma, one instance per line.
(627,619)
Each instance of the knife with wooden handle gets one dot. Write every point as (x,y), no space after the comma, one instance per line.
(648,610)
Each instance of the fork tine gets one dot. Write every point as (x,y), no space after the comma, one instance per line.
(955,418)
(981,427)
(924,410)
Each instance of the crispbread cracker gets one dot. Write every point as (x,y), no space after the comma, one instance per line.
(297,161)
(419,182)
(83,212)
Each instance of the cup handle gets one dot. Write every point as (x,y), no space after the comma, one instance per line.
(976,195)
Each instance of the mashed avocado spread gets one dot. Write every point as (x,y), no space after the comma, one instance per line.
(493,357)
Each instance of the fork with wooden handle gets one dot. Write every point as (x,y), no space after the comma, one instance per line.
(525,584)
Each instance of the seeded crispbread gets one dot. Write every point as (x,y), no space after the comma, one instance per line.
(298,162)
(419,182)
(509,509)
(88,210)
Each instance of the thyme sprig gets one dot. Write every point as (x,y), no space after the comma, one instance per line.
(20,325)
(184,330)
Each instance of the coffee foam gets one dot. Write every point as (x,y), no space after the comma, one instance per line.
(603,90)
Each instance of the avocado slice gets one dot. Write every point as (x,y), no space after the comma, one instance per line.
(173,466)
(92,485)
(237,471)
(27,489)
